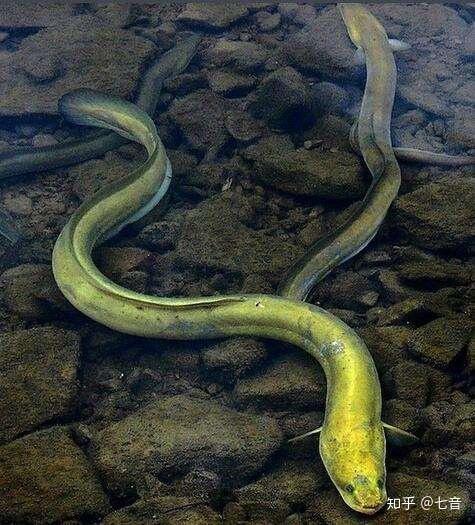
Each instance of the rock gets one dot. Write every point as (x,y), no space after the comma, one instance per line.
(43,139)
(330,98)
(241,56)
(242,126)
(350,290)
(209,16)
(115,262)
(202,130)
(38,379)
(441,341)
(90,176)
(273,496)
(161,236)
(469,41)
(268,21)
(435,273)
(294,483)
(403,415)
(234,358)
(283,100)
(228,83)
(306,172)
(18,204)
(408,381)
(58,59)
(322,46)
(438,216)
(169,510)
(450,423)
(215,237)
(288,383)
(31,291)
(180,433)
(46,478)
(387,344)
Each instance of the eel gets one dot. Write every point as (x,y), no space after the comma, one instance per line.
(352,440)
(370,137)
(23,161)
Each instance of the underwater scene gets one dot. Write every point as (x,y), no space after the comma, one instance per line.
(236,263)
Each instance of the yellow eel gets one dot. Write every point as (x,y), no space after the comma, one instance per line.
(352,441)
(371,138)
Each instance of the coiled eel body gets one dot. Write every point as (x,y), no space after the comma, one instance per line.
(33,160)
(352,442)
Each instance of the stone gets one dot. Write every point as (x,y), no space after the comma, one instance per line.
(330,98)
(469,41)
(408,381)
(310,173)
(439,215)
(42,140)
(236,55)
(441,341)
(169,510)
(450,424)
(387,344)
(177,434)
(31,291)
(228,83)
(161,236)
(402,414)
(234,358)
(203,130)
(209,16)
(283,100)
(46,478)
(435,273)
(115,262)
(242,126)
(322,46)
(58,59)
(268,21)
(216,236)
(289,383)
(38,382)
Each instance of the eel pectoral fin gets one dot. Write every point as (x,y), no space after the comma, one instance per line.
(398,437)
(303,436)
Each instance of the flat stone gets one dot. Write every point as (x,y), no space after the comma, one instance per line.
(177,434)
(322,46)
(30,291)
(203,130)
(441,341)
(38,378)
(450,424)
(438,215)
(288,383)
(228,83)
(283,99)
(242,126)
(47,478)
(241,56)
(335,175)
(209,16)
(216,236)
(234,357)
(56,60)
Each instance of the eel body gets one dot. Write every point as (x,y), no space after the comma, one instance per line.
(352,441)
(32,160)
(370,138)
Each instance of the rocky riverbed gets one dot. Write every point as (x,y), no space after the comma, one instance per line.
(96,426)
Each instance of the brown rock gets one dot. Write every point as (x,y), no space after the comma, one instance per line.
(46,478)
(38,380)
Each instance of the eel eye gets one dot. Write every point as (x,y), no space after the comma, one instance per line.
(349,488)
(380,483)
